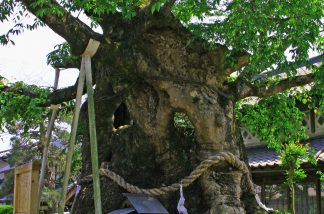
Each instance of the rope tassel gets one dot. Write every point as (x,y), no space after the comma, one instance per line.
(181,208)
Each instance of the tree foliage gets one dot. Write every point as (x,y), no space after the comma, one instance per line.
(15,106)
(261,28)
(274,120)
(61,55)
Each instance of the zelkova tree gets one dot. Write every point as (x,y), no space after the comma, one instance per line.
(161,62)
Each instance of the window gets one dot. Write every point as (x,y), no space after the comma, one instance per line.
(276,197)
(305,198)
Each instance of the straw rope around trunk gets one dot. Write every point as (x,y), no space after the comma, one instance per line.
(186,181)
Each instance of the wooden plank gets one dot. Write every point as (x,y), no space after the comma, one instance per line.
(25,189)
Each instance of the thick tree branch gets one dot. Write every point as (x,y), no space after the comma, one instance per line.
(75,32)
(65,94)
(166,9)
(67,65)
(245,89)
(56,97)
(241,59)
(62,95)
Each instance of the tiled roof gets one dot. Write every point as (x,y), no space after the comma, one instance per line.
(4,153)
(6,169)
(300,70)
(262,157)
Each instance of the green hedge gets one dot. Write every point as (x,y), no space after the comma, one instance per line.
(6,209)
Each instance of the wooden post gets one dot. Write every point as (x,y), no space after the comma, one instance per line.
(85,71)
(318,196)
(93,138)
(25,190)
(48,138)
(72,137)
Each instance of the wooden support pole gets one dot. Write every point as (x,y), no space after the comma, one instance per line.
(72,137)
(85,71)
(47,140)
(93,137)
(56,80)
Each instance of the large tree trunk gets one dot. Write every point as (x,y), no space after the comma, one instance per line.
(141,82)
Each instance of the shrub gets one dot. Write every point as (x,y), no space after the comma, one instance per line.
(6,209)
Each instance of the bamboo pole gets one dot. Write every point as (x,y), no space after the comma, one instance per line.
(47,140)
(72,136)
(93,137)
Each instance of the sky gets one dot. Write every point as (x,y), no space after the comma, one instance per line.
(26,61)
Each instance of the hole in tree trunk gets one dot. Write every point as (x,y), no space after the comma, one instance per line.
(182,145)
(121,116)
(183,135)
(182,123)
